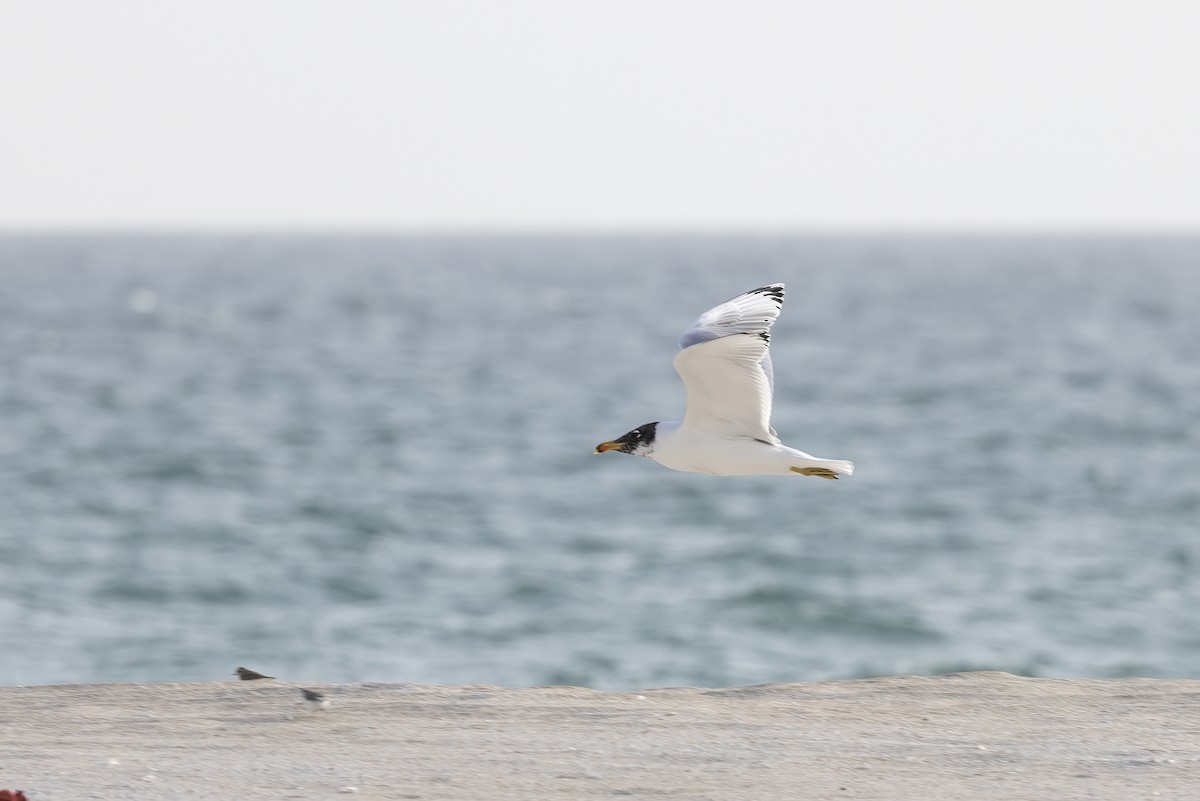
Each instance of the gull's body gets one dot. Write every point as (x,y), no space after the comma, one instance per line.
(245,674)
(725,363)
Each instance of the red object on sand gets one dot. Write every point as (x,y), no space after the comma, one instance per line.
(12,795)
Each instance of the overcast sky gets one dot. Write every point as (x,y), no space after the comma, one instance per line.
(534,114)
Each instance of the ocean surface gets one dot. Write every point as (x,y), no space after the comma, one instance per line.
(369,458)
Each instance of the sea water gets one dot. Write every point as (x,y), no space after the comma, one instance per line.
(351,457)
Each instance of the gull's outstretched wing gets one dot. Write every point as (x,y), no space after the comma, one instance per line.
(725,365)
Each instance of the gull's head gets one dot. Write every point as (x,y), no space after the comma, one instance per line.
(638,442)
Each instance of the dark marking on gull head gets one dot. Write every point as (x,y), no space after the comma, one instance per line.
(638,442)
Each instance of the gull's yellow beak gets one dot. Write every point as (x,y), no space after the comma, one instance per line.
(607,446)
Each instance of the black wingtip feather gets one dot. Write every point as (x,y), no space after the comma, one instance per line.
(773,291)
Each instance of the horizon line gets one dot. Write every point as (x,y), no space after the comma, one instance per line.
(582,231)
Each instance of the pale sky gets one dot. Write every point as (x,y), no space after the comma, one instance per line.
(556,114)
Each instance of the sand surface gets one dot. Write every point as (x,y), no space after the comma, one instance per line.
(970,736)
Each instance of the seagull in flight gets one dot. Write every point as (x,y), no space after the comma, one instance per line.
(725,363)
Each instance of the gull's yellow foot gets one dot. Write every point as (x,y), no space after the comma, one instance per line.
(820,472)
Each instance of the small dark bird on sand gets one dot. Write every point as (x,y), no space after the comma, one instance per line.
(249,675)
(315,699)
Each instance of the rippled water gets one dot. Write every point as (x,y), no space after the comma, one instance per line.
(369,458)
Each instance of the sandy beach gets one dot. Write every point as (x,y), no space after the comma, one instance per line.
(961,736)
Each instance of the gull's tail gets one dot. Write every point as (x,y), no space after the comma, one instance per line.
(822,468)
